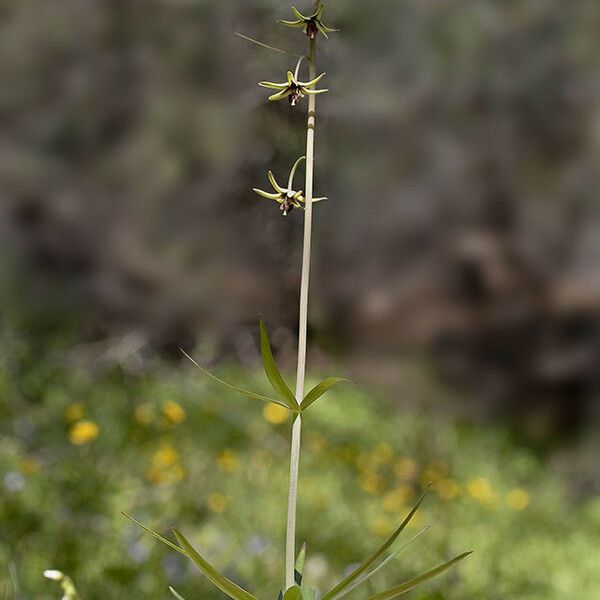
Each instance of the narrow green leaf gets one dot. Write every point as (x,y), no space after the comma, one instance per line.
(293,593)
(233,387)
(398,590)
(176,594)
(380,566)
(350,579)
(159,537)
(321,388)
(272,372)
(299,568)
(225,585)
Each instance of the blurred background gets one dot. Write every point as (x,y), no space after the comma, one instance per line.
(456,282)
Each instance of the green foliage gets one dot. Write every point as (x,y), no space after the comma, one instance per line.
(398,590)
(272,372)
(226,585)
(339,590)
(61,501)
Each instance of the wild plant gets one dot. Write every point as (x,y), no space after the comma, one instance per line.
(295,90)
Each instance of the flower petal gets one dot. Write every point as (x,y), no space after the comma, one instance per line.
(267,195)
(312,82)
(280,95)
(272,85)
(274,183)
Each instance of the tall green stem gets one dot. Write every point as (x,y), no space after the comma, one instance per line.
(290,545)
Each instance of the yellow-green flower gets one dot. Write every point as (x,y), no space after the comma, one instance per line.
(83,432)
(311,24)
(293,88)
(173,412)
(287,198)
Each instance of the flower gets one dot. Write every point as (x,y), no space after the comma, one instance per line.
(405,468)
(517,499)
(311,24)
(293,88)
(173,412)
(165,456)
(83,432)
(275,414)
(481,490)
(228,461)
(287,198)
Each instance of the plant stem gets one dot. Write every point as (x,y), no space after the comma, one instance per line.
(290,545)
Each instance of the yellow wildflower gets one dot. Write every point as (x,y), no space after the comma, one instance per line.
(228,461)
(217,503)
(173,412)
(481,490)
(447,489)
(144,413)
(371,482)
(383,453)
(165,456)
(74,412)
(517,499)
(406,468)
(275,414)
(83,432)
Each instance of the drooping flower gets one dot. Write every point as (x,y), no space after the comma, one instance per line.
(293,88)
(311,24)
(287,198)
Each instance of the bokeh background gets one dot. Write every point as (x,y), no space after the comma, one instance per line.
(456,282)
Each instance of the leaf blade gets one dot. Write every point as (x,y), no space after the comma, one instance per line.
(272,372)
(225,585)
(319,390)
(398,590)
(233,387)
(159,537)
(346,582)
(299,566)
(381,565)
(176,593)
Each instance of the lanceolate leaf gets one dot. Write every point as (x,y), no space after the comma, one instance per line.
(398,590)
(159,537)
(234,388)
(225,585)
(176,594)
(299,567)
(364,567)
(321,388)
(272,372)
(380,566)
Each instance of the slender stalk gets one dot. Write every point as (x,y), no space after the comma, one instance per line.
(290,545)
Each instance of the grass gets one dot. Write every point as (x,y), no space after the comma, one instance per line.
(173,450)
